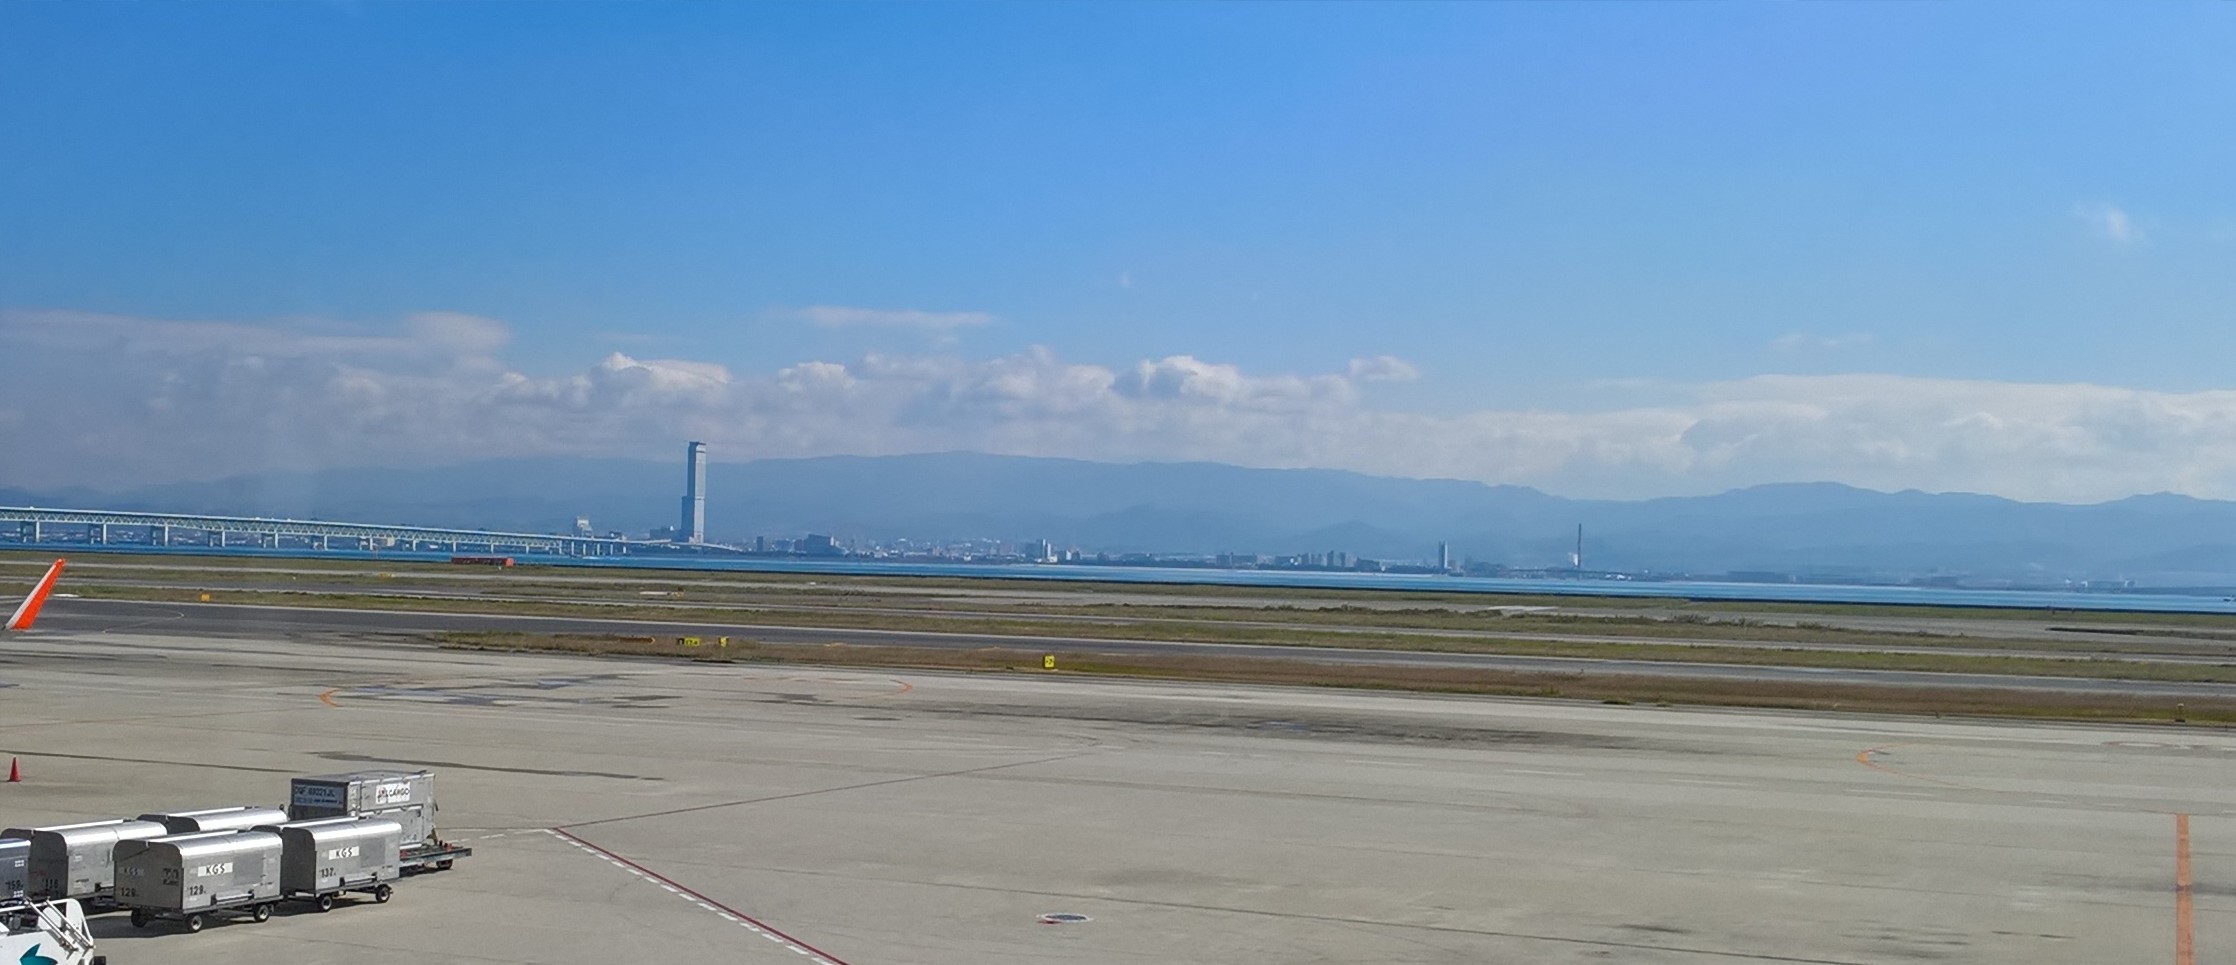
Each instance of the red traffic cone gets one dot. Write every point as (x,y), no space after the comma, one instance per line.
(15,771)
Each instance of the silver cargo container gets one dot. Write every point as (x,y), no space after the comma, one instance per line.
(405,797)
(15,857)
(323,857)
(240,817)
(76,860)
(185,875)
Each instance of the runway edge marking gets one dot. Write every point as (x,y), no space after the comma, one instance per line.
(748,922)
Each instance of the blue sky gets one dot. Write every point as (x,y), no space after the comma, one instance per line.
(1567,208)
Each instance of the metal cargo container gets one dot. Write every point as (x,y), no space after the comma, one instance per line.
(185,875)
(405,797)
(15,858)
(323,857)
(76,860)
(240,817)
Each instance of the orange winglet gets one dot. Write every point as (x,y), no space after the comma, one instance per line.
(29,610)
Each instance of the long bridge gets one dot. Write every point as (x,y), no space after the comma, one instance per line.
(106,527)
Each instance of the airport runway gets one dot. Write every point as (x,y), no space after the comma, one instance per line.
(2087,626)
(932,819)
(235,620)
(1914,636)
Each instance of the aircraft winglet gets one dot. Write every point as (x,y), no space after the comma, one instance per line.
(29,610)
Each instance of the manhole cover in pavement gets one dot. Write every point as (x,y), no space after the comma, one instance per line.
(1063,918)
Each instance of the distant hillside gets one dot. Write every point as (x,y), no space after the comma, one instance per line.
(1204,508)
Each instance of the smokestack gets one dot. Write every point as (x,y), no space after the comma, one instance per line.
(1576,559)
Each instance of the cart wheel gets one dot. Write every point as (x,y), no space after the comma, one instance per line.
(194,923)
(262,912)
(326,902)
(139,918)
(443,865)
(381,893)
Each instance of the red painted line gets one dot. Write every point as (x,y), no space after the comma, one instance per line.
(2185,915)
(685,889)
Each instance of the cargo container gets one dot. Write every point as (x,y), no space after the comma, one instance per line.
(15,858)
(405,797)
(325,857)
(240,817)
(188,877)
(77,860)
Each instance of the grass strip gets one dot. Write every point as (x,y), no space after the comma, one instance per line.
(683,571)
(1613,688)
(1258,636)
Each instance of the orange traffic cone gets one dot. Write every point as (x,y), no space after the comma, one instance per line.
(15,771)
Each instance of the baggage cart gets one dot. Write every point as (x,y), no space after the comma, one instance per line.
(240,817)
(78,860)
(189,877)
(325,858)
(405,797)
(15,860)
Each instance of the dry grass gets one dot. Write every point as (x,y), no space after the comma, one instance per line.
(2088,666)
(1604,687)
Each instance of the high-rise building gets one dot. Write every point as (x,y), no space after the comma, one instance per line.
(1444,556)
(693,528)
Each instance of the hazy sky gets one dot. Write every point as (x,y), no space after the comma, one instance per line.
(1604,249)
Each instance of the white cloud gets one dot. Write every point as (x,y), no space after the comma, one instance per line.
(841,316)
(2110,221)
(1383,368)
(123,401)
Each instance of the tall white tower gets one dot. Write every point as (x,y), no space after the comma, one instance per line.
(693,528)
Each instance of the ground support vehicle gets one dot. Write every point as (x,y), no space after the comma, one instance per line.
(189,877)
(435,855)
(324,858)
(405,797)
(15,873)
(240,817)
(78,860)
(46,931)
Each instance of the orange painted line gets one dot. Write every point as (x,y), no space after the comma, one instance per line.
(327,697)
(1864,757)
(2185,915)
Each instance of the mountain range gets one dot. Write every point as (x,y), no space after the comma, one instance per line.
(1811,529)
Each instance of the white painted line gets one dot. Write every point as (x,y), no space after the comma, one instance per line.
(1707,783)
(1521,770)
